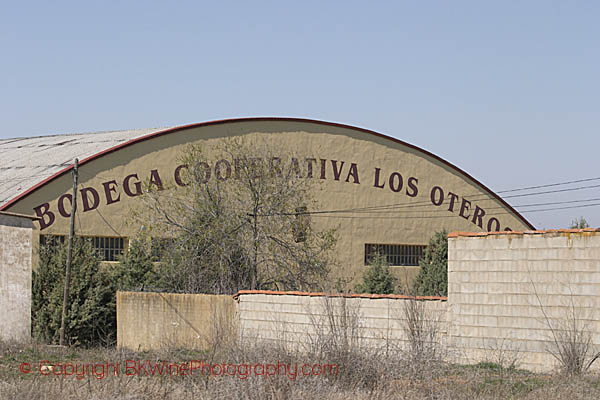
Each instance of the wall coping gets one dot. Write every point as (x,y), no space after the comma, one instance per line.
(521,233)
(11,214)
(347,295)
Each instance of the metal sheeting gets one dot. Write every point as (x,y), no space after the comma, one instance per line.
(24,162)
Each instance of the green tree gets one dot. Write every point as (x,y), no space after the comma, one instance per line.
(378,278)
(91,307)
(433,276)
(135,270)
(580,223)
(239,220)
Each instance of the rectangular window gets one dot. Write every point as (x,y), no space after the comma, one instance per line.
(108,248)
(52,241)
(301,225)
(395,254)
(159,247)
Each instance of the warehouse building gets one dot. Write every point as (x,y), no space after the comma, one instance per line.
(388,196)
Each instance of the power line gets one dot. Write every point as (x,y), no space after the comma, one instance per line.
(102,216)
(556,202)
(421,203)
(552,191)
(563,208)
(89,175)
(389,208)
(391,211)
(550,185)
(445,216)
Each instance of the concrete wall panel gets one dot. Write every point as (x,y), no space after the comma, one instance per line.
(156,320)
(511,288)
(302,317)
(15,277)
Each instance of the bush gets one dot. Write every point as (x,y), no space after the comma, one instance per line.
(378,278)
(433,276)
(91,309)
(580,223)
(136,268)
(254,233)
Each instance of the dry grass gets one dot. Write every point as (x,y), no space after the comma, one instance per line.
(364,372)
(415,372)
(388,378)
(571,339)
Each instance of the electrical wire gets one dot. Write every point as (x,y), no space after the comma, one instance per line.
(392,208)
(487,208)
(442,216)
(422,203)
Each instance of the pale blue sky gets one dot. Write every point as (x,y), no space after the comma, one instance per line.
(507,91)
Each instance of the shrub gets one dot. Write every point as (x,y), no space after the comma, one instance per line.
(92,295)
(378,278)
(254,234)
(433,276)
(136,268)
(422,327)
(91,308)
(571,343)
(579,223)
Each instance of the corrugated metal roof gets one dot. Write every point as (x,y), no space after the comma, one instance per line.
(24,162)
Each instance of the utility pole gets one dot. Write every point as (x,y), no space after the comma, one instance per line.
(70,251)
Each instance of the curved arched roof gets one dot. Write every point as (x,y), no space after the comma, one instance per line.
(26,162)
(29,163)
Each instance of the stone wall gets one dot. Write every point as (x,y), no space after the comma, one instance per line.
(510,293)
(148,320)
(15,276)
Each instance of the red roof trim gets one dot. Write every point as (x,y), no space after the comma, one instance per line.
(260,119)
(347,295)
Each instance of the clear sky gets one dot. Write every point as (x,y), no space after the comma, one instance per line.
(508,91)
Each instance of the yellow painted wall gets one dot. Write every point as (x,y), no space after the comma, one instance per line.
(299,139)
(166,320)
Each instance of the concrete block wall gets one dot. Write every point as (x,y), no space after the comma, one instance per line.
(148,320)
(508,293)
(507,290)
(299,318)
(15,276)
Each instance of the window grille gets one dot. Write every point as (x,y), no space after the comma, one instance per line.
(301,225)
(51,241)
(159,247)
(108,248)
(395,254)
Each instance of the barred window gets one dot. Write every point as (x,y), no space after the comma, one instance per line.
(159,247)
(108,248)
(51,242)
(395,254)
(302,225)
